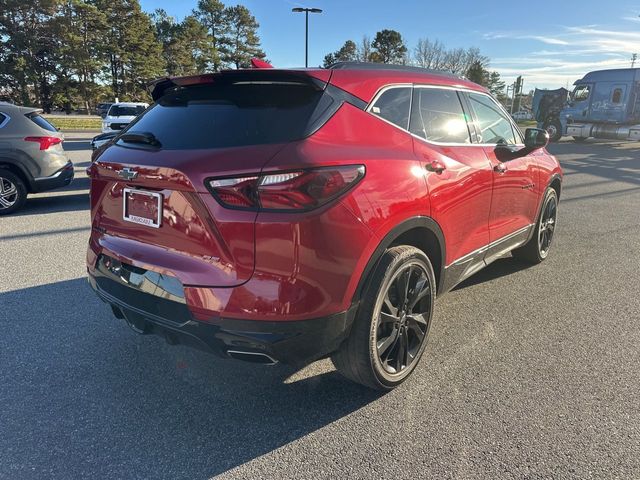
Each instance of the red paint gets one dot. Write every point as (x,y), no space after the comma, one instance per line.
(281,266)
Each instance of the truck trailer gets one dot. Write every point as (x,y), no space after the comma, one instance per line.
(603,104)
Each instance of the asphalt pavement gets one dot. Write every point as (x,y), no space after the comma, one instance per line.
(530,372)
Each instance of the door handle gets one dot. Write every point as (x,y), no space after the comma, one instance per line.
(500,168)
(435,166)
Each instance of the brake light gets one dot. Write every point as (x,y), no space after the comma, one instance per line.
(45,142)
(286,191)
(235,192)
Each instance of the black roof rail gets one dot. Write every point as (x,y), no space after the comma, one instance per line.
(389,66)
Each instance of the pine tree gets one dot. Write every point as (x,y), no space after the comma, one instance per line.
(388,47)
(347,53)
(190,50)
(242,41)
(27,50)
(134,52)
(477,73)
(79,28)
(213,15)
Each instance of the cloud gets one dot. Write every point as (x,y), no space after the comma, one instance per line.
(540,38)
(549,40)
(572,51)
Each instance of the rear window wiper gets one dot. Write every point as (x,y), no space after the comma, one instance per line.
(144,138)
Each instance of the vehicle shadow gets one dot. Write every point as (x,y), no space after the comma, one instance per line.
(500,268)
(54,203)
(84,396)
(613,161)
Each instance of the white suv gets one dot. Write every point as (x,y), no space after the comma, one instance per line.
(120,114)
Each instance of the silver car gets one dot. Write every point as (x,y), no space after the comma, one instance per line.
(31,156)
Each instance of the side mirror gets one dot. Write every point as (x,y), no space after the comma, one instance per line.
(535,138)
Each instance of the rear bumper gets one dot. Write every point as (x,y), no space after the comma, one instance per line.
(152,303)
(61,178)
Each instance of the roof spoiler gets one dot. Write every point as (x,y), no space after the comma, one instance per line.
(157,88)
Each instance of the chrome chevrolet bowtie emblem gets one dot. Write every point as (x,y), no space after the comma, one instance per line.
(127,173)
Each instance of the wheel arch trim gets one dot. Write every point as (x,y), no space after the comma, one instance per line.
(405,226)
(20,170)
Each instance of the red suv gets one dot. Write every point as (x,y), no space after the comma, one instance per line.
(287,215)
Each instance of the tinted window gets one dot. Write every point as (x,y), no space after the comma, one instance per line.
(437,116)
(122,111)
(492,123)
(2,119)
(233,115)
(41,122)
(393,105)
(617,96)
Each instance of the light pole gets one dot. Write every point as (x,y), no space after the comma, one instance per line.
(306,29)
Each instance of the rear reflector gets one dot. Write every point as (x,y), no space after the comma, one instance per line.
(286,191)
(45,142)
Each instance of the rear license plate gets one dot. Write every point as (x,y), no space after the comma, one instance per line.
(142,207)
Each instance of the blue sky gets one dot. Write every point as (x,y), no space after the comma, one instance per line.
(550,43)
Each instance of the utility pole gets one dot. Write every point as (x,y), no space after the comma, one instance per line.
(517,90)
(634,57)
(306,29)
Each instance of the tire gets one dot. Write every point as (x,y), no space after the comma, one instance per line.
(390,333)
(536,250)
(13,192)
(554,129)
(580,139)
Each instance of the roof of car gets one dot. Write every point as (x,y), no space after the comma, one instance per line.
(361,79)
(128,104)
(8,107)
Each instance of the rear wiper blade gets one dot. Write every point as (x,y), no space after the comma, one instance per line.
(145,138)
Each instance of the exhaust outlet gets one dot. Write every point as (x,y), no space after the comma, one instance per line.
(252,357)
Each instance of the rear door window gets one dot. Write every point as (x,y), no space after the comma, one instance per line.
(41,122)
(437,116)
(231,115)
(393,105)
(492,124)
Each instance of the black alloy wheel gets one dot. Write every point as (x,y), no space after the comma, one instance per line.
(391,327)
(403,319)
(547,225)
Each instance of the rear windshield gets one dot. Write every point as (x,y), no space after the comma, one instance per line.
(122,111)
(41,122)
(232,115)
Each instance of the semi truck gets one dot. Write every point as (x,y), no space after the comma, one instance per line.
(603,104)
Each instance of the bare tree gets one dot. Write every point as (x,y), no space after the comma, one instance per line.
(428,54)
(453,60)
(364,49)
(434,55)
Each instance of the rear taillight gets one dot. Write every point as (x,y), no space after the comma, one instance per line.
(45,142)
(286,191)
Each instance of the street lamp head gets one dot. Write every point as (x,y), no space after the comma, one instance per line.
(310,10)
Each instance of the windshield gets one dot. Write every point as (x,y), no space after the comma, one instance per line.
(230,115)
(126,111)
